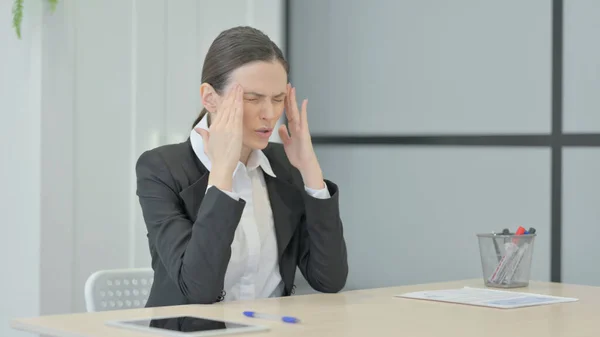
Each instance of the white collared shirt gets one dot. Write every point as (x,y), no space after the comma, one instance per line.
(253,269)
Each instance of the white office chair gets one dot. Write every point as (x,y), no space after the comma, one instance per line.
(118,289)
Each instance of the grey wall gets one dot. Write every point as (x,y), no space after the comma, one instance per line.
(581,211)
(427,66)
(581,66)
(411,213)
(436,67)
(581,230)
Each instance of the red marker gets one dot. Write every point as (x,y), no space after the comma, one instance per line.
(520,231)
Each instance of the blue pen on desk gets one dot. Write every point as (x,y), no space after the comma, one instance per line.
(287,319)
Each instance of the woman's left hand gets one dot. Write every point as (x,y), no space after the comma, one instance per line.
(298,147)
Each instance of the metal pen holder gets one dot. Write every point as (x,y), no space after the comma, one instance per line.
(506,259)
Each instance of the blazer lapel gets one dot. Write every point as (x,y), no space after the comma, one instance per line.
(285,205)
(197,174)
(286,201)
(192,196)
(283,196)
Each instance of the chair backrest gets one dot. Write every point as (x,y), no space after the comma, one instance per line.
(118,289)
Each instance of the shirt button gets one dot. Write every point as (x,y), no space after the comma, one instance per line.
(222,296)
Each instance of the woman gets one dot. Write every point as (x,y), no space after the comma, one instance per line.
(230,215)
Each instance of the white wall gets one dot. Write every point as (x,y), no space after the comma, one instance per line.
(107,80)
(137,82)
(20,111)
(57,156)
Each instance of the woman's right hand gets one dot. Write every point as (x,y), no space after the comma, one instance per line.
(223,141)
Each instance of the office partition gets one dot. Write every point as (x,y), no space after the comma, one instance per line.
(442,117)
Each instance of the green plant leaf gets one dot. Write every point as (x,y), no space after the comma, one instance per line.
(17,12)
(53,4)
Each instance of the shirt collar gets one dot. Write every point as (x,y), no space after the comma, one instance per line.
(257,157)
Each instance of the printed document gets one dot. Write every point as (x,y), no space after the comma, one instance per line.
(487,297)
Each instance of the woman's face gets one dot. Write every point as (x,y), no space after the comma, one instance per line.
(265,89)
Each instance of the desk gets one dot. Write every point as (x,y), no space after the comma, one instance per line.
(371,312)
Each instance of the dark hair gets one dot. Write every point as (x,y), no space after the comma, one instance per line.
(232,49)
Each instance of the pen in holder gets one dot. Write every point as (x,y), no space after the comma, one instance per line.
(506,258)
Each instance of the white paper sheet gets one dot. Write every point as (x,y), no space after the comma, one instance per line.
(487,297)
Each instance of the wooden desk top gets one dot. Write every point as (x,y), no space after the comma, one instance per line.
(373,312)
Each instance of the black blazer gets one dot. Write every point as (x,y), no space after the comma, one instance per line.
(190,230)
